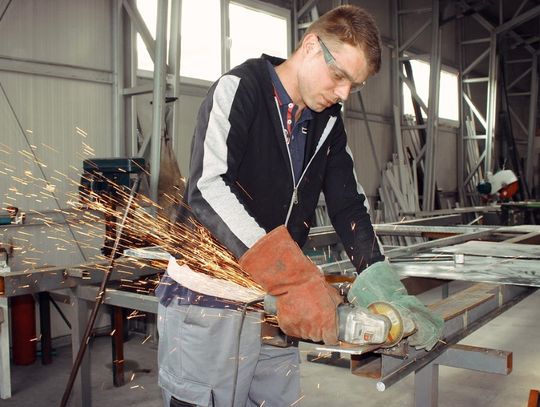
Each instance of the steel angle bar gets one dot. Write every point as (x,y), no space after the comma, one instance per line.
(475,167)
(438,243)
(124,299)
(456,328)
(475,110)
(520,77)
(522,18)
(56,278)
(414,36)
(370,135)
(305,8)
(531,130)
(421,230)
(476,358)
(412,89)
(517,119)
(140,26)
(479,59)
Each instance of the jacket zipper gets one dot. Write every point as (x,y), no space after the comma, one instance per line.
(294,197)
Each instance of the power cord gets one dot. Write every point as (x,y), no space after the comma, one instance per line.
(237,359)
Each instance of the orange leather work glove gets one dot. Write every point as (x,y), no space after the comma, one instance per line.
(306,304)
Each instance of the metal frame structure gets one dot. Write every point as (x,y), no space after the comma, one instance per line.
(476,151)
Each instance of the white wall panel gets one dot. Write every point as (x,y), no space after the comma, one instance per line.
(66,121)
(72,32)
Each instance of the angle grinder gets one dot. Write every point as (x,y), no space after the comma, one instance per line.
(378,324)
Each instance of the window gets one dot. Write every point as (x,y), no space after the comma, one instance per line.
(254,32)
(201,51)
(448,91)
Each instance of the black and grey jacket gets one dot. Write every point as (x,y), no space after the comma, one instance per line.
(241,183)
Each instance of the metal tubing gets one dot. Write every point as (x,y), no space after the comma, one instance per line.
(225,37)
(533,106)
(428,202)
(118,79)
(142,29)
(491,103)
(158,113)
(175,52)
(370,135)
(522,18)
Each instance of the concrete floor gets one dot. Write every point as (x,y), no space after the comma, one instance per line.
(517,330)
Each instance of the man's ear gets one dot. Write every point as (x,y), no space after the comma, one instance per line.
(310,44)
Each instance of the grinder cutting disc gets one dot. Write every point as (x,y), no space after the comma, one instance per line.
(396,330)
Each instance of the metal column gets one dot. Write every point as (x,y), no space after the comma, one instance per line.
(158,114)
(428,202)
(531,130)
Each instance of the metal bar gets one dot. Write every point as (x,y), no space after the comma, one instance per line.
(475,358)
(476,80)
(462,117)
(426,386)
(18,65)
(428,201)
(3,8)
(475,110)
(117,33)
(491,104)
(56,278)
(5,369)
(45,327)
(475,62)
(511,85)
(476,41)
(522,18)
(158,111)
(370,135)
(520,7)
(393,253)
(414,94)
(475,167)
(138,90)
(123,299)
(414,36)
(415,10)
(142,29)
(305,8)
(82,388)
(175,52)
(130,42)
(225,37)
(518,120)
(519,61)
(117,348)
(531,131)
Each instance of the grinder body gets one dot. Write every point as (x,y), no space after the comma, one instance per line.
(380,323)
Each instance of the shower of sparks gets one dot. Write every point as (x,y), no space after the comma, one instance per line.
(88,214)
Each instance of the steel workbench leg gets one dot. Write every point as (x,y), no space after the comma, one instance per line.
(45,324)
(426,386)
(5,372)
(82,389)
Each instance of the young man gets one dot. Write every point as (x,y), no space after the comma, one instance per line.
(269,138)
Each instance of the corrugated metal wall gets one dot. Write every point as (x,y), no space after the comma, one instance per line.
(54,121)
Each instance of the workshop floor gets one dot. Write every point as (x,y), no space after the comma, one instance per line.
(517,330)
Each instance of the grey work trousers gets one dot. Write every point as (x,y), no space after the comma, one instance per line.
(198,357)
